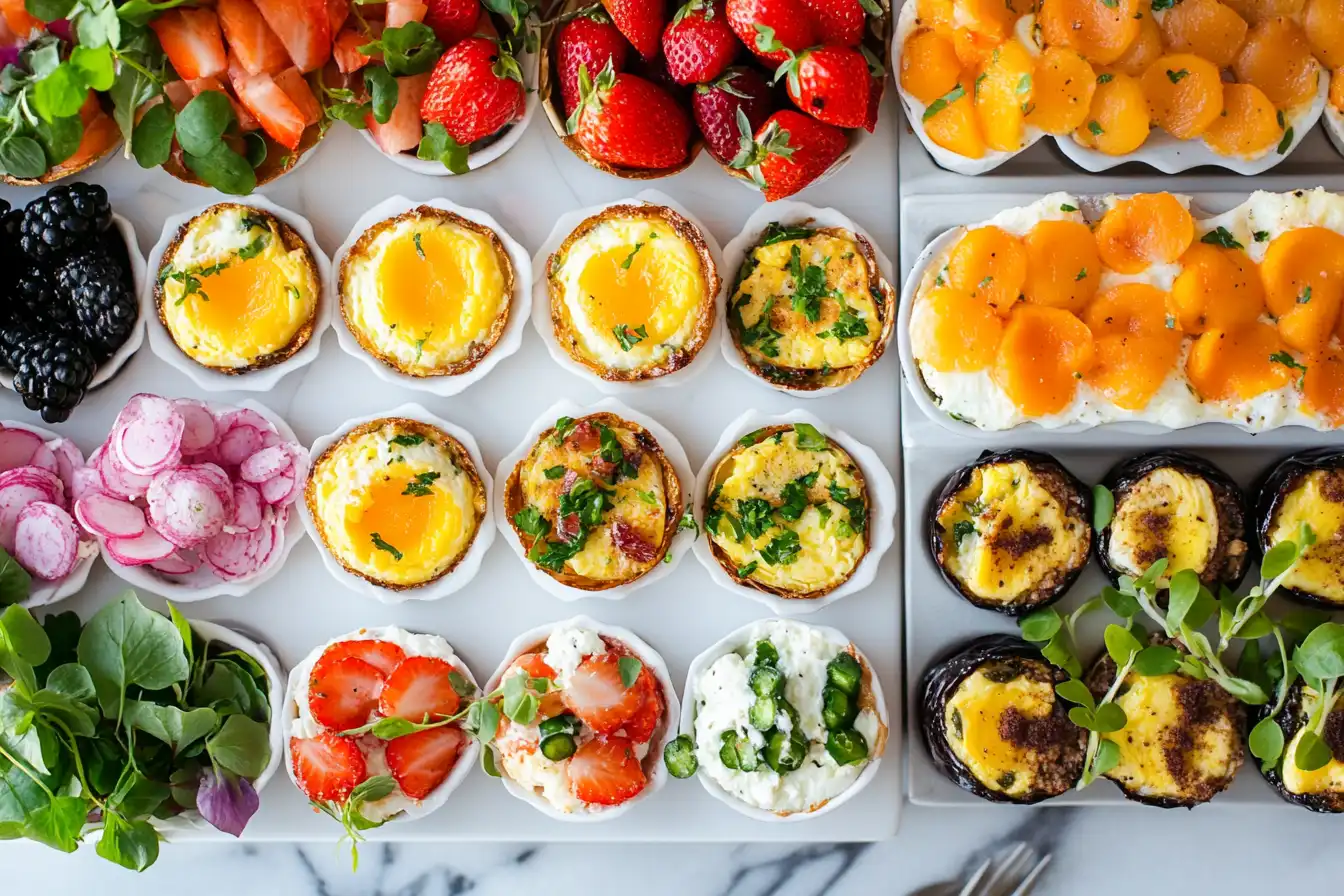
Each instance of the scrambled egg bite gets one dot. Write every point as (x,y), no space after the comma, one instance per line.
(1011,531)
(632,292)
(427,292)
(1308,488)
(396,501)
(238,289)
(1320,789)
(787,512)
(994,725)
(1174,505)
(1182,742)
(595,502)
(810,309)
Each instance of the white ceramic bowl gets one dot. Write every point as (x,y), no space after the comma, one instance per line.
(520,302)
(470,563)
(298,683)
(652,660)
(265,379)
(672,449)
(1333,122)
(881,512)
(785,212)
(735,641)
(541,297)
(204,583)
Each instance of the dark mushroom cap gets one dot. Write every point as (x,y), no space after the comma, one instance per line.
(1290,720)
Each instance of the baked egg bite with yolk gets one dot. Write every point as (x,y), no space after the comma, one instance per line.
(632,292)
(595,502)
(1307,488)
(1319,789)
(810,308)
(994,725)
(427,292)
(787,512)
(238,289)
(396,501)
(1011,531)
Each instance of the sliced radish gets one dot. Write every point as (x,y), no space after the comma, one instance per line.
(117,480)
(230,420)
(178,563)
(144,548)
(281,490)
(187,506)
(109,517)
(45,458)
(37,477)
(68,460)
(200,430)
(239,555)
(151,442)
(86,481)
(13,499)
(46,541)
(238,444)
(266,463)
(247,507)
(17,447)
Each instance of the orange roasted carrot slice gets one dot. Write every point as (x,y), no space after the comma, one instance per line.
(1277,58)
(1237,365)
(1101,30)
(1063,267)
(1206,28)
(1044,354)
(1144,230)
(1249,124)
(1217,289)
(1062,91)
(1119,120)
(952,330)
(929,65)
(1185,94)
(991,263)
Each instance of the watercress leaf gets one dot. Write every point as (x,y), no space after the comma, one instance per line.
(1075,691)
(126,644)
(1056,652)
(1321,653)
(1083,717)
(1277,560)
(241,746)
(1193,668)
(629,667)
(1148,581)
(73,681)
(15,582)
(169,724)
(131,89)
(95,65)
(1266,741)
(1201,609)
(141,11)
(1157,660)
(382,92)
(152,141)
(58,822)
(223,169)
(222,688)
(1110,717)
(23,645)
(1040,625)
(202,122)
(61,93)
(1258,626)
(226,802)
(1183,592)
(59,137)
(1246,691)
(1108,756)
(130,844)
(1103,507)
(461,684)
(22,157)
(138,796)
(1121,604)
(438,146)
(1120,643)
(1312,752)
(49,10)
(18,735)
(483,720)
(488,762)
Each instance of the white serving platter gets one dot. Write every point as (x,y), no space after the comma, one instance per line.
(680,615)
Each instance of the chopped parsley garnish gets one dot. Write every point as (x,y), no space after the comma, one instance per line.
(1305,296)
(687,521)
(420,345)
(1291,363)
(384,546)
(810,438)
(419,249)
(1177,76)
(755,514)
(1286,143)
(760,334)
(777,233)
(563,427)
(647,497)
(555,472)
(1105,78)
(1095,129)
(852,503)
(419,486)
(530,521)
(1221,237)
(1261,235)
(589,501)
(783,549)
(256,247)
(1068,208)
(847,326)
(191,280)
(1081,275)
(744,571)
(628,337)
(809,285)
(629,259)
(944,101)
(1024,85)
(961,530)
(794,495)
(407,439)
(614,453)
(751,438)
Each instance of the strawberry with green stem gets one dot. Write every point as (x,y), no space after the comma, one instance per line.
(716,104)
(640,21)
(625,120)
(698,44)
(788,152)
(591,41)
(760,23)
(830,83)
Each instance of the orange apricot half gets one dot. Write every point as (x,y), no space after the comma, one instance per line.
(1277,58)
(953,330)
(1045,352)
(1237,365)
(1101,30)
(992,18)
(1138,309)
(1323,386)
(1323,23)
(1303,276)
(1137,343)
(1144,230)
(1249,124)
(1118,122)
(1217,289)
(1146,47)
(950,121)
(1003,91)
(1206,28)
(1185,94)
(936,13)
(1063,267)
(1255,11)
(1337,89)
(929,65)
(991,263)
(1062,91)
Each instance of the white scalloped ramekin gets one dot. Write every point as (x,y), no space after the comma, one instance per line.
(1333,122)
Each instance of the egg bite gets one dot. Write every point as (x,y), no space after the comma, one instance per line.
(632,292)
(1307,487)
(595,502)
(1182,742)
(1321,789)
(238,289)
(787,512)
(810,309)
(427,292)
(396,501)
(1012,531)
(1174,505)
(995,727)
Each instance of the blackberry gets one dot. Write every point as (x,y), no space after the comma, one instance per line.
(66,218)
(52,374)
(104,306)
(35,301)
(10,258)
(13,334)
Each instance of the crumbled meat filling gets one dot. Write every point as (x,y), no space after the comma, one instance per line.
(1334,733)
(1022,730)
(1020,542)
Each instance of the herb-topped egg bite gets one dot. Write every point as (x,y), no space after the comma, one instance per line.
(427,292)
(632,292)
(238,289)
(786,512)
(1307,488)
(810,308)
(1011,531)
(396,501)
(1311,776)
(994,725)
(595,501)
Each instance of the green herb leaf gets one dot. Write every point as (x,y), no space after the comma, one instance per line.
(1157,660)
(530,521)
(1286,143)
(944,101)
(1312,752)
(629,667)
(628,337)
(438,146)
(1266,741)
(152,141)
(407,440)
(1221,237)
(1108,756)
(810,438)
(222,168)
(1320,656)
(125,644)
(409,49)
(202,122)
(1109,717)
(241,746)
(384,546)
(1121,644)
(1040,625)
(130,844)
(1076,692)
(382,88)
(1103,507)
(169,724)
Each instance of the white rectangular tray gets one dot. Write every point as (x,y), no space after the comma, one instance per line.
(303,606)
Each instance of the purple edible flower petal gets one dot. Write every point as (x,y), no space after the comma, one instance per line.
(61,28)
(226,802)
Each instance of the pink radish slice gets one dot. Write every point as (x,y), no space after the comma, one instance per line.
(17,447)
(147,547)
(151,442)
(68,460)
(109,517)
(178,563)
(271,437)
(46,541)
(186,506)
(266,463)
(13,499)
(36,477)
(238,444)
(117,480)
(242,417)
(278,521)
(199,431)
(247,507)
(86,481)
(45,458)
(241,554)
(281,490)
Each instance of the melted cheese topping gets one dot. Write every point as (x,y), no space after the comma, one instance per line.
(1318,501)
(1164,514)
(1329,778)
(1008,534)
(972,723)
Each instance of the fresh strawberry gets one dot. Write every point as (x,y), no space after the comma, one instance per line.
(327,766)
(830,83)
(179,93)
(245,120)
(346,51)
(758,23)
(591,41)
(699,44)
(18,20)
(534,664)
(303,26)
(874,103)
(453,20)
(384,655)
(338,12)
(250,38)
(628,121)
(476,89)
(640,727)
(789,152)
(485,26)
(419,689)
(342,692)
(839,21)
(641,21)
(605,771)
(716,104)
(193,42)
(421,761)
(404,129)
(296,87)
(597,696)
(401,12)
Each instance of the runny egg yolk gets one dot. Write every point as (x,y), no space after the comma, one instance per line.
(244,296)
(627,284)
(420,281)
(401,516)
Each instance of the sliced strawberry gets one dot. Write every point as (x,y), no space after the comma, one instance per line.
(535,665)
(348,57)
(342,692)
(400,12)
(327,767)
(605,771)
(551,703)
(596,695)
(421,761)
(300,94)
(303,26)
(250,38)
(193,42)
(419,689)
(384,655)
(245,120)
(338,12)
(403,130)
(179,93)
(453,20)
(18,20)
(641,726)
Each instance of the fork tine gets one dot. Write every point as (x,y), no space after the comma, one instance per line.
(1007,871)
(970,888)
(1029,882)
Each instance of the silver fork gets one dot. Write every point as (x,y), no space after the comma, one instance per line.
(1010,871)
